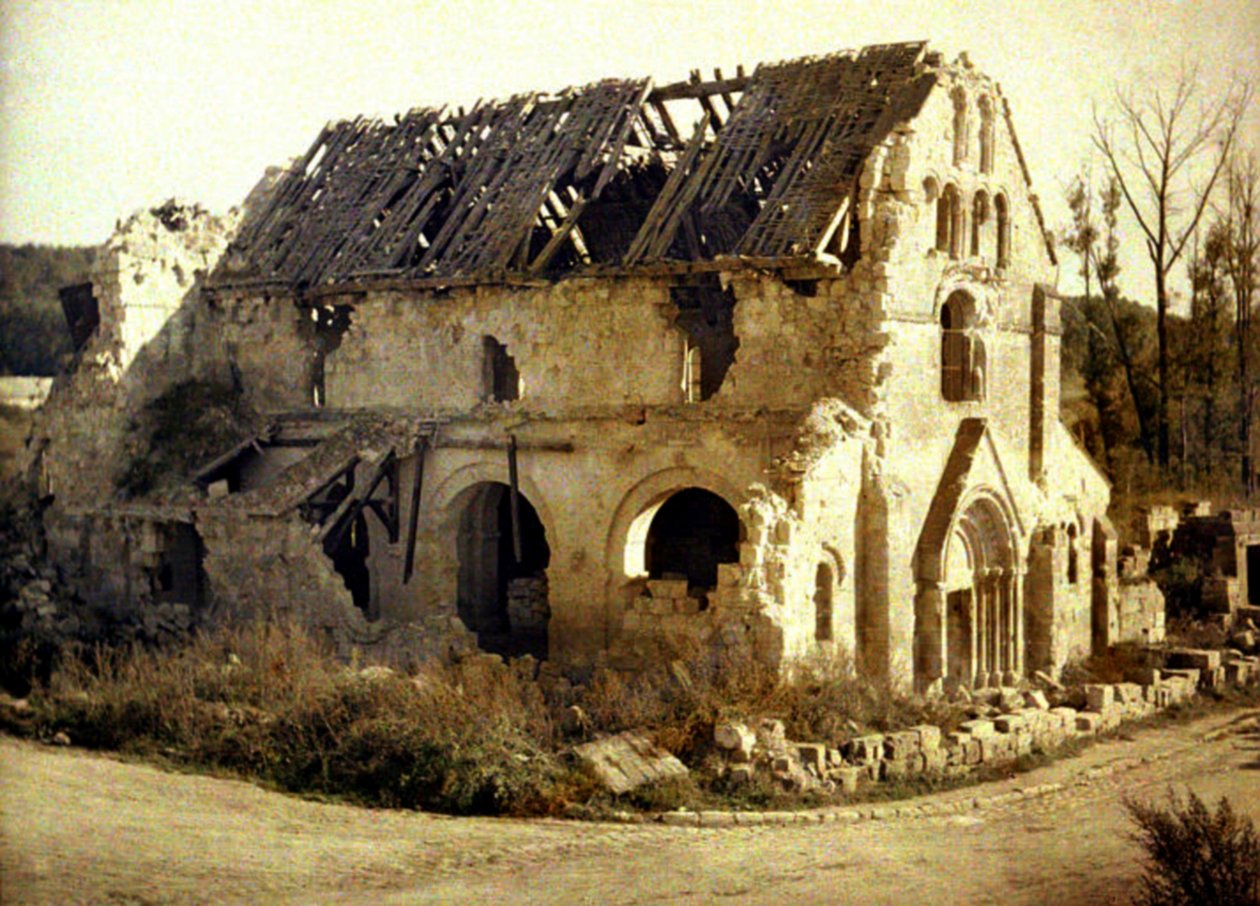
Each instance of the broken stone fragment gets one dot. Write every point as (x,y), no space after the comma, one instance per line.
(734,737)
(813,757)
(1099,696)
(771,736)
(1048,681)
(627,761)
(1035,698)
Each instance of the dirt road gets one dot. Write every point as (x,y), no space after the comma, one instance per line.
(77,827)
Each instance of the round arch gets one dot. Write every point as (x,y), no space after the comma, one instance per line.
(626,546)
(503,601)
(981,304)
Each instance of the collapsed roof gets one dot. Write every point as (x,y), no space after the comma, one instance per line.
(540,184)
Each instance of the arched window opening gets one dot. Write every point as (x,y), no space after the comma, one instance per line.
(1003,230)
(962,352)
(501,598)
(949,217)
(691,533)
(1073,566)
(691,373)
(986,135)
(824,582)
(979,217)
(960,126)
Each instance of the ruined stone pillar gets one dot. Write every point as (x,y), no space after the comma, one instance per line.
(1016,580)
(929,636)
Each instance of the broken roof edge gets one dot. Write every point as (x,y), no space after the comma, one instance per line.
(365,192)
(808,266)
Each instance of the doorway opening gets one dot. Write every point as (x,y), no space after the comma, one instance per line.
(503,598)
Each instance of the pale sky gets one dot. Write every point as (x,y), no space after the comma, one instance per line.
(107,106)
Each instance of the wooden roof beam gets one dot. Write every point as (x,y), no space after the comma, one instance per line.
(689,89)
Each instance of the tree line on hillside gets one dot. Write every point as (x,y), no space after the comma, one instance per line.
(34,338)
(1164,399)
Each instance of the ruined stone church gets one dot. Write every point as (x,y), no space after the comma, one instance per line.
(761,362)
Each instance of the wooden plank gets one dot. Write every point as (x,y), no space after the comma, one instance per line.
(413,514)
(558,237)
(340,521)
(696,89)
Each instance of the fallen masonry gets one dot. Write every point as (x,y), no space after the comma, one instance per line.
(1024,722)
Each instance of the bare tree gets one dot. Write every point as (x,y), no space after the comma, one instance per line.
(1164,142)
(1241,220)
(1098,248)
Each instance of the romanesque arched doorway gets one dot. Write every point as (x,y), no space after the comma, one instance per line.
(501,597)
(982,618)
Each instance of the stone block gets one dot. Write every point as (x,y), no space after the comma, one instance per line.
(1236,673)
(996,748)
(771,737)
(1010,699)
(979,728)
(1190,674)
(667,588)
(865,749)
(1009,723)
(929,737)
(1111,716)
(813,757)
(1087,723)
(894,769)
(1194,658)
(901,745)
(1099,696)
(1128,693)
(734,737)
(846,779)
(628,760)
(973,752)
(729,574)
(1035,698)
(934,760)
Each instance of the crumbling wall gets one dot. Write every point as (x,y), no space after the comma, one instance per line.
(146,279)
(274,568)
(583,345)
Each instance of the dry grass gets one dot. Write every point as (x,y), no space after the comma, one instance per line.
(820,700)
(265,701)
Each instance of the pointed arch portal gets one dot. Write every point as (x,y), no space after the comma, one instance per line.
(969,604)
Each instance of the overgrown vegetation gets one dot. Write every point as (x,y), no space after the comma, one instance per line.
(180,430)
(267,702)
(1194,855)
(33,333)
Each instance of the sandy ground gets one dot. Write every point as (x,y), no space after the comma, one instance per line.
(79,827)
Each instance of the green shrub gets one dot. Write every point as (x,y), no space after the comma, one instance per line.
(1194,856)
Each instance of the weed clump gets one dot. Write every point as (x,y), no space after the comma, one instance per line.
(1194,855)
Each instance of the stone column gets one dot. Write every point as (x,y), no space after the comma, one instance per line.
(1017,612)
(929,636)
